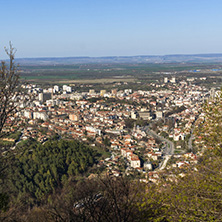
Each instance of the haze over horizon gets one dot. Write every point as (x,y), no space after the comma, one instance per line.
(110,28)
(122,56)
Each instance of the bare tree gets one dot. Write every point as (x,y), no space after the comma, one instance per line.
(107,199)
(11,91)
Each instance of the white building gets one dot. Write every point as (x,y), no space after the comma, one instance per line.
(148,166)
(135,161)
(56,89)
(40,115)
(134,115)
(69,89)
(173,80)
(93,130)
(159,114)
(64,87)
(28,114)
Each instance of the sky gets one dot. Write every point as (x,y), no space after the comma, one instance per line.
(66,28)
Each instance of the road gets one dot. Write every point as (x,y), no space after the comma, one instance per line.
(168,151)
(163,163)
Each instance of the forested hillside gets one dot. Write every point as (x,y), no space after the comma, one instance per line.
(37,170)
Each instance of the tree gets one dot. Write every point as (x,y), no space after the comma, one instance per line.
(108,198)
(211,128)
(11,91)
(106,141)
(197,196)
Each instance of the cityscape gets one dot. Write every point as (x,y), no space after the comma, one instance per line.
(145,131)
(140,131)
(111,111)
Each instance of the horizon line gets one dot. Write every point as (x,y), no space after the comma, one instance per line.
(107,56)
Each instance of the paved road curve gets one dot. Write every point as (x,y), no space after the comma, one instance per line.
(170,145)
(168,151)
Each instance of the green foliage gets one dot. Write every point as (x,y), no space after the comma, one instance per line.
(39,169)
(103,199)
(15,135)
(194,193)
(175,110)
(130,122)
(211,128)
(198,196)
(106,141)
(164,134)
(4,200)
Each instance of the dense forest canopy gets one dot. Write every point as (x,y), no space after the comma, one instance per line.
(38,169)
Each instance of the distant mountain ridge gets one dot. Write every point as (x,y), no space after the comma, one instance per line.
(176,58)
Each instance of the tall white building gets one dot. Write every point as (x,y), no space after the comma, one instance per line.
(173,80)
(165,80)
(66,88)
(56,89)
(69,89)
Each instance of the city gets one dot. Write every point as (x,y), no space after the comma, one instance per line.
(140,131)
(111,111)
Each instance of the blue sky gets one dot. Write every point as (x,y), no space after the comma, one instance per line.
(60,28)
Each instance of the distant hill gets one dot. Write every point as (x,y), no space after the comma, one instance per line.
(180,58)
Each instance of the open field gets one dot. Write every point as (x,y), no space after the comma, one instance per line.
(105,80)
(110,73)
(84,81)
